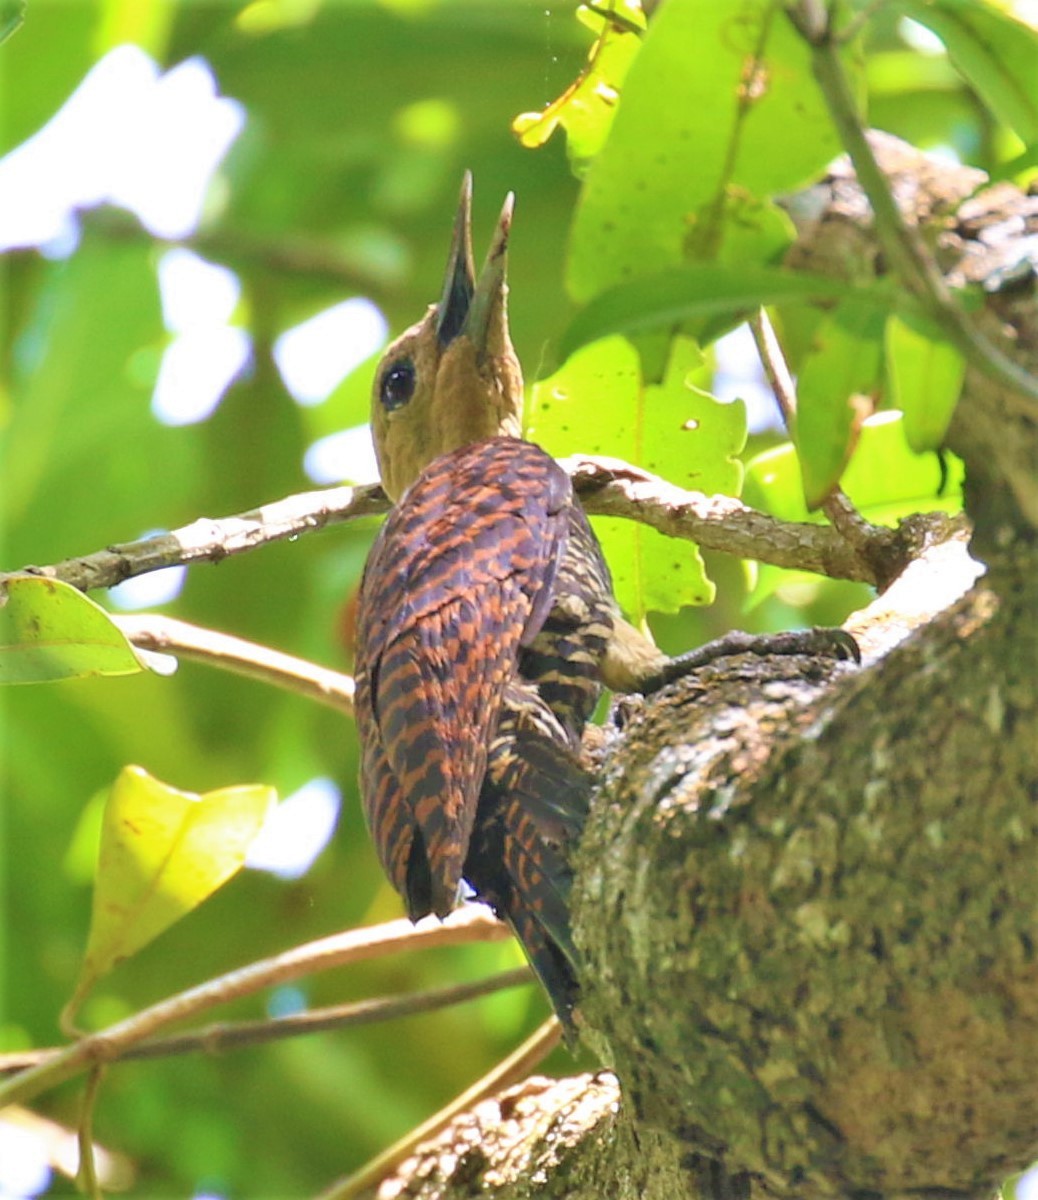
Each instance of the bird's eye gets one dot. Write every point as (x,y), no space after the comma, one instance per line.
(397,385)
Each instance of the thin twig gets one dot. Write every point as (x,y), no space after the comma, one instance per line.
(469,924)
(515,1067)
(153,631)
(837,506)
(775,368)
(815,21)
(87,1176)
(232,1035)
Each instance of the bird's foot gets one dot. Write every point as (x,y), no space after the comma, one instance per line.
(820,642)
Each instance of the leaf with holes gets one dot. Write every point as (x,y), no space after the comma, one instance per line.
(684,141)
(598,404)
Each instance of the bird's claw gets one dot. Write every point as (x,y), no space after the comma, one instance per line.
(820,641)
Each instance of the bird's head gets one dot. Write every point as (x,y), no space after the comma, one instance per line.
(453,378)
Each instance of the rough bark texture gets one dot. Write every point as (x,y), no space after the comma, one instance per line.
(810,913)
(808,893)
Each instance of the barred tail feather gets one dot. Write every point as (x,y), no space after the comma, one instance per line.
(531,810)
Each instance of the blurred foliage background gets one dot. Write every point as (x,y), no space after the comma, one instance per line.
(359,118)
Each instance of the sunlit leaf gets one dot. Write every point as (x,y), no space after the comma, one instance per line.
(925,374)
(667,299)
(163,852)
(686,139)
(834,393)
(50,630)
(587,107)
(997,54)
(598,404)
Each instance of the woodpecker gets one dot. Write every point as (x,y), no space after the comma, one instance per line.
(486,629)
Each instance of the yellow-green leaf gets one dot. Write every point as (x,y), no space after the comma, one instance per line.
(586,108)
(163,852)
(925,374)
(886,479)
(49,630)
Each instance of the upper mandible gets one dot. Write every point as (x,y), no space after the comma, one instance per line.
(453,378)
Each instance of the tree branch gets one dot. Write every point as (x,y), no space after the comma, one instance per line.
(469,924)
(209,540)
(221,1036)
(167,635)
(610,488)
(606,487)
(837,506)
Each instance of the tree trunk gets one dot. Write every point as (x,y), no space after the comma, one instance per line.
(808,894)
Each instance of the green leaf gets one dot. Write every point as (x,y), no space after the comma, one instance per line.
(837,379)
(925,373)
(597,403)
(12,14)
(50,630)
(886,479)
(689,136)
(671,297)
(162,853)
(997,54)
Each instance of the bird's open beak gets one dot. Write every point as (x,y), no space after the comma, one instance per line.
(467,303)
(459,284)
